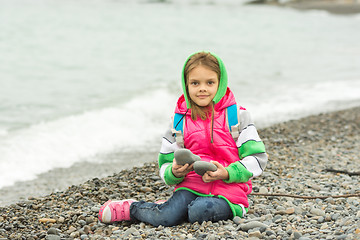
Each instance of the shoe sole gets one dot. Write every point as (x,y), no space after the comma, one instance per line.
(106,216)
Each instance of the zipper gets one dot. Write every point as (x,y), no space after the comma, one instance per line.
(212,123)
(211,188)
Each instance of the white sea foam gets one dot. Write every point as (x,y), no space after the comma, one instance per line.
(304,100)
(3,132)
(138,125)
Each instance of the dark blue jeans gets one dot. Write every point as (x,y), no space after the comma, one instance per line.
(182,206)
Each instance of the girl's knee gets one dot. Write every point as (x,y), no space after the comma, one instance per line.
(154,214)
(200,210)
(206,209)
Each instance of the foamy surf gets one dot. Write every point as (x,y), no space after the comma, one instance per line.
(289,102)
(136,125)
(3,132)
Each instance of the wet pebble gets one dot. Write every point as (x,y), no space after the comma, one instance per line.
(251,225)
(317,212)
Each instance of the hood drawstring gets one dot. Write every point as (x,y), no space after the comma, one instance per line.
(180,120)
(212,123)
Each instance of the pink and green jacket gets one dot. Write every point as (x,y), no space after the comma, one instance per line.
(243,159)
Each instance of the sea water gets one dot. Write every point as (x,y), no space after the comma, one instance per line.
(80,80)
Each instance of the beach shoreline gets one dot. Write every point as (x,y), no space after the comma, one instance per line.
(300,151)
(331,6)
(59,179)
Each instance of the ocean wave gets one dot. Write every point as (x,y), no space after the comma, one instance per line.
(3,132)
(295,101)
(138,125)
(134,126)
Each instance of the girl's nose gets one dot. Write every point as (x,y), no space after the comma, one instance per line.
(202,88)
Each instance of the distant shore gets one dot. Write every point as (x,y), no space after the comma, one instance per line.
(341,7)
(302,154)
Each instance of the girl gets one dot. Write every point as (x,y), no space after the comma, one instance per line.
(217,195)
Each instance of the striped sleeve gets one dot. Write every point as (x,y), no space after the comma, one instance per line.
(251,149)
(166,155)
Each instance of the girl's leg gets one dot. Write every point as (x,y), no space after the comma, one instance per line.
(209,209)
(173,212)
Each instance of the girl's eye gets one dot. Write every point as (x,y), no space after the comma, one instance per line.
(194,83)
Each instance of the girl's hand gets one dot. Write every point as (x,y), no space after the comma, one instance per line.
(220,173)
(181,170)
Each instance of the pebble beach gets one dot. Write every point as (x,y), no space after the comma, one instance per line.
(309,190)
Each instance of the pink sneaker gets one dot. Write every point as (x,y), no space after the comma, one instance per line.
(115,211)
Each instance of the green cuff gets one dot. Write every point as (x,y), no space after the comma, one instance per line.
(169,177)
(238,173)
(236,209)
(165,158)
(251,147)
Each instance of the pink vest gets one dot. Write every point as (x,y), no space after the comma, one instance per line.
(197,138)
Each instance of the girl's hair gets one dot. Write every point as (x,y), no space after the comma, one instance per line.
(207,60)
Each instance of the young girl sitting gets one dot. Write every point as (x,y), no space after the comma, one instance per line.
(236,154)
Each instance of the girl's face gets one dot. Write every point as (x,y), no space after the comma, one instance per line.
(202,85)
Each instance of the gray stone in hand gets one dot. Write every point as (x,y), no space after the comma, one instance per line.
(184,156)
(201,167)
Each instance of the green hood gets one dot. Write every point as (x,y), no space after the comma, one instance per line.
(222,85)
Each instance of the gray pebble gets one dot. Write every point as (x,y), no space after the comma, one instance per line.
(82,222)
(343,236)
(229,227)
(237,220)
(123,184)
(211,237)
(84,237)
(251,225)
(129,232)
(75,234)
(255,234)
(61,219)
(52,237)
(297,235)
(183,156)
(321,219)
(201,167)
(317,212)
(262,229)
(263,190)
(142,225)
(95,209)
(52,231)
(335,216)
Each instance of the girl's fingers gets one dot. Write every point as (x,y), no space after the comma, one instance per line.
(183,168)
(205,178)
(208,178)
(217,164)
